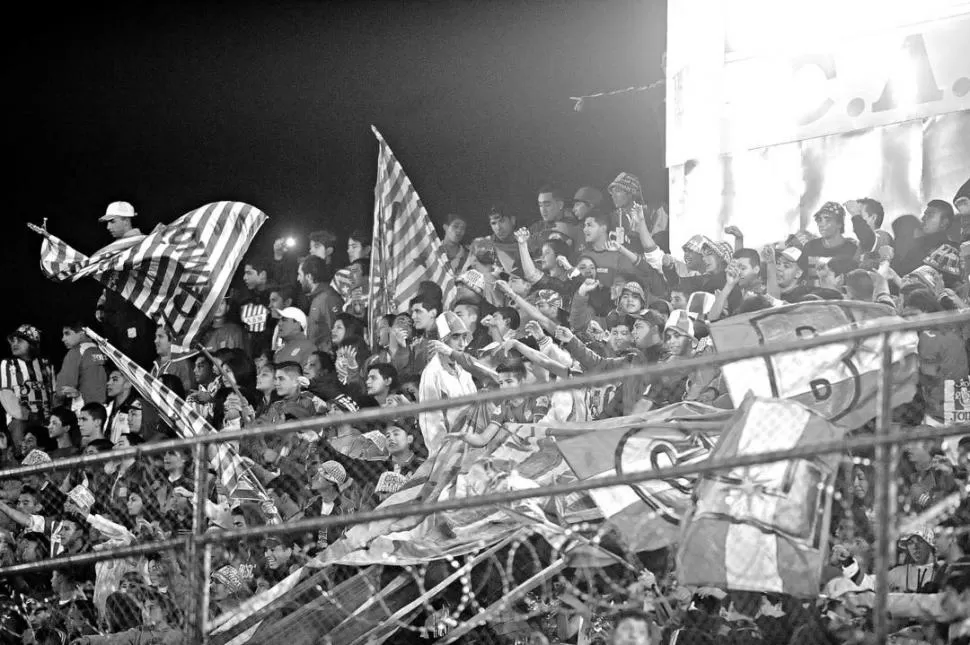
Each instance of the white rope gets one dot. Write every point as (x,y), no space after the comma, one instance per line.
(581,100)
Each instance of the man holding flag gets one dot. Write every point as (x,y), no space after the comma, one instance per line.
(177,274)
(126,327)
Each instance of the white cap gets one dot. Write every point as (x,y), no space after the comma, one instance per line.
(294,314)
(118,209)
(791,254)
(449,323)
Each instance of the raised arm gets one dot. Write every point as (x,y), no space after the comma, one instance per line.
(720,301)
(529,269)
(738,236)
(525,306)
(580,313)
(18,516)
(771,272)
(589,359)
(467,363)
(540,359)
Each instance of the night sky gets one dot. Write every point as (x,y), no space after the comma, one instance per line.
(171,107)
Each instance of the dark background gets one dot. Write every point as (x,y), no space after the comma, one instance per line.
(171,107)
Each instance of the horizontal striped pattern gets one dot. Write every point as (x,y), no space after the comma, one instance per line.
(764,527)
(177,274)
(187,422)
(405,250)
(838,381)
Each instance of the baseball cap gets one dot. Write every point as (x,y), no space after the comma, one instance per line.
(294,314)
(118,209)
(792,254)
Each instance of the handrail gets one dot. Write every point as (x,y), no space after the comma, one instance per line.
(380,414)
(396,512)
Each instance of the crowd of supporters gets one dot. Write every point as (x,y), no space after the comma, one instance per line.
(592,285)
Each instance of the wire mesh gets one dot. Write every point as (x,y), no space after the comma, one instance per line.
(536,565)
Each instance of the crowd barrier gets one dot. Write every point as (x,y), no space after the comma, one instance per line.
(502,582)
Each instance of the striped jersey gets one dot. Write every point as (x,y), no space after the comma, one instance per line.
(31,382)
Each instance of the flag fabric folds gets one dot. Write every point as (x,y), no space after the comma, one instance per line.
(405,250)
(526,458)
(647,515)
(177,274)
(238,481)
(533,455)
(764,527)
(838,381)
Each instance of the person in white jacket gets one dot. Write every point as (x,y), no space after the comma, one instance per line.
(442,378)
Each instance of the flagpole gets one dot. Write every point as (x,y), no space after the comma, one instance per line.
(884,498)
(198,569)
(377,251)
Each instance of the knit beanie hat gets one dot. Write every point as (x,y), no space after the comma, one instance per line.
(832,209)
(333,472)
(725,250)
(700,244)
(628,183)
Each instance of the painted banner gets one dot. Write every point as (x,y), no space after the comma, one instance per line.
(531,456)
(837,381)
(772,192)
(756,86)
(763,527)
(646,515)
(774,108)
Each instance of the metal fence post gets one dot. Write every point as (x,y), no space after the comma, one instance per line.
(197,564)
(884,493)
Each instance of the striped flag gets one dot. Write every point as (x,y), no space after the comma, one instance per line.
(187,422)
(177,274)
(838,381)
(405,249)
(764,527)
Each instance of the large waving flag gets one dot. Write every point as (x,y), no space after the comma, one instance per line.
(187,422)
(406,250)
(838,381)
(646,515)
(177,274)
(764,527)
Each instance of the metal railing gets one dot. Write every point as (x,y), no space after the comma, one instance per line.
(883,441)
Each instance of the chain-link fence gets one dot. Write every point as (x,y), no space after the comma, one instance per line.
(671,526)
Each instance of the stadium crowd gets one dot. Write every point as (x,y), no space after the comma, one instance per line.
(592,285)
